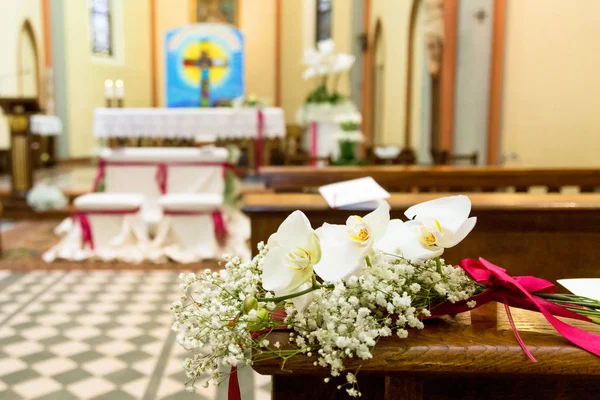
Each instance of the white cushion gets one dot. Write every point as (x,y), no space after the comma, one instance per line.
(109,201)
(190,201)
(166,154)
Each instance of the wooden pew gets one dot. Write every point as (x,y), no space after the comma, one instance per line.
(549,235)
(399,178)
(466,357)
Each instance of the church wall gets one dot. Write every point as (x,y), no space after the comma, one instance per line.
(258,25)
(12,16)
(551,83)
(169,14)
(86,73)
(394,16)
(298,21)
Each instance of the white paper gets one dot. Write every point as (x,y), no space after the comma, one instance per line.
(362,193)
(589,287)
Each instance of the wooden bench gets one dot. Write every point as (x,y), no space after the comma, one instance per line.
(550,235)
(471,356)
(399,178)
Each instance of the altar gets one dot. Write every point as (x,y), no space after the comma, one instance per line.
(255,126)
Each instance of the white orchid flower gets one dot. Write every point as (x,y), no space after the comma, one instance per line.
(432,227)
(345,247)
(343,62)
(293,251)
(320,61)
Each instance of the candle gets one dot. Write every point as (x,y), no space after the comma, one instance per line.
(120,86)
(108,89)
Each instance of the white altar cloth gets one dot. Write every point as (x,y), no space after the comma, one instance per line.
(201,124)
(46,125)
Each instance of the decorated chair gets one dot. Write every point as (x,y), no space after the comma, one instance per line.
(106,226)
(157,171)
(192,228)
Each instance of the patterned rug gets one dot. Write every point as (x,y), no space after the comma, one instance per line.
(23,244)
(93,335)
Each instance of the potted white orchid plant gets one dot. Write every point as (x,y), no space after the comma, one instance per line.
(324,64)
(338,289)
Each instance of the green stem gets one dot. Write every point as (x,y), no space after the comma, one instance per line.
(438,264)
(368,261)
(570,299)
(292,295)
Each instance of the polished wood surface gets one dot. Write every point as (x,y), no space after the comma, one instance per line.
(553,236)
(434,178)
(269,201)
(469,356)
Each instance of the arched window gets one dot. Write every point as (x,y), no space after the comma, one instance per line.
(378,85)
(101,27)
(324,14)
(28,66)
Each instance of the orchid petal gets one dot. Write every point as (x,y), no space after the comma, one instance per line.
(450,211)
(401,239)
(341,257)
(343,62)
(392,238)
(460,234)
(378,221)
(295,231)
(275,275)
(415,250)
(309,73)
(326,46)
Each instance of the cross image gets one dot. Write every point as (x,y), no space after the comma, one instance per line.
(205,63)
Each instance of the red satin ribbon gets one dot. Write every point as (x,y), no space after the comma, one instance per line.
(260,128)
(518,292)
(313,143)
(233,389)
(220,228)
(161,176)
(86,229)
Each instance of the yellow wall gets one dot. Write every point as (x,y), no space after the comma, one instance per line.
(551,83)
(298,18)
(258,26)
(169,14)
(12,16)
(86,73)
(394,17)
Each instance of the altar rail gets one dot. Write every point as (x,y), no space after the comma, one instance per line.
(551,235)
(398,178)
(465,357)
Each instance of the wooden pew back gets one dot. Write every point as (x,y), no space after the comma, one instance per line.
(398,178)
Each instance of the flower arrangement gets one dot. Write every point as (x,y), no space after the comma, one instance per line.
(340,288)
(323,64)
(348,136)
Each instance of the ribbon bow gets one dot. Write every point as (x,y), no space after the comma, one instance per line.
(519,291)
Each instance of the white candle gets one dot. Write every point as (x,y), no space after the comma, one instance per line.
(108,89)
(120,86)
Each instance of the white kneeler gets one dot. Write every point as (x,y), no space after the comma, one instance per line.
(192,227)
(157,171)
(106,226)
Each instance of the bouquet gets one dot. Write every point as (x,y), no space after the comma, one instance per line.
(340,288)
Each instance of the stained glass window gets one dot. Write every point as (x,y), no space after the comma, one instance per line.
(323,19)
(101,27)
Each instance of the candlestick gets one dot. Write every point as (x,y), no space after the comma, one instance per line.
(109,92)
(120,86)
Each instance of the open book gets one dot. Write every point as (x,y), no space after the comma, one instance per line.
(355,194)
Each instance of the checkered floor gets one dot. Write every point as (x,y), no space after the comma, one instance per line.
(93,335)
